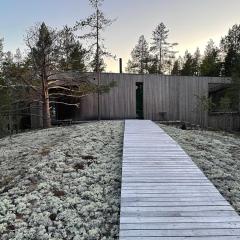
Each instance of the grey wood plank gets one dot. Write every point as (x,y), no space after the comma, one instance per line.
(171,199)
(144,209)
(178,226)
(182,233)
(173,203)
(170,195)
(193,219)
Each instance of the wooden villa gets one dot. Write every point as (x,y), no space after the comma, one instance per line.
(153,97)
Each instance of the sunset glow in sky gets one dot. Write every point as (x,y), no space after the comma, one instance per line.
(191,22)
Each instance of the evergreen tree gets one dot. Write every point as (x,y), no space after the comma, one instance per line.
(162,48)
(230,46)
(45,52)
(210,65)
(191,64)
(42,43)
(197,62)
(72,54)
(96,23)
(98,61)
(11,92)
(4,98)
(188,68)
(153,65)
(176,68)
(77,58)
(18,56)
(140,57)
(1,49)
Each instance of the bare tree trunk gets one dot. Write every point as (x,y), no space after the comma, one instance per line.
(97,67)
(46,111)
(160,59)
(46,104)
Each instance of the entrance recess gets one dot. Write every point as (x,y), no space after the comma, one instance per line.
(139,100)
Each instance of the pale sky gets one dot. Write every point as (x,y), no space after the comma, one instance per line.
(191,22)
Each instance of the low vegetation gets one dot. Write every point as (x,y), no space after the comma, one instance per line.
(218,156)
(61,183)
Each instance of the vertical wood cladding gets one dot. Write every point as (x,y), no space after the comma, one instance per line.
(175,97)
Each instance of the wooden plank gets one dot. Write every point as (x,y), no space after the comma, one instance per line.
(194,219)
(153,203)
(179,200)
(164,194)
(182,232)
(178,226)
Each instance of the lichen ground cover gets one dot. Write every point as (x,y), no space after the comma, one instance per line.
(217,154)
(61,183)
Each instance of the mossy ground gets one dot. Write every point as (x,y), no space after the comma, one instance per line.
(61,183)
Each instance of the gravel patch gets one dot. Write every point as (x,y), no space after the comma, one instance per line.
(217,154)
(61,183)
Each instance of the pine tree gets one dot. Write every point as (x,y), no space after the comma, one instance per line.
(18,56)
(140,57)
(153,65)
(77,58)
(230,46)
(188,68)
(176,68)
(4,97)
(72,54)
(197,62)
(96,23)
(191,64)
(43,57)
(98,61)
(162,48)
(210,65)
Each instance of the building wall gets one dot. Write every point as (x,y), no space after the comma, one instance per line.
(119,103)
(174,95)
(224,121)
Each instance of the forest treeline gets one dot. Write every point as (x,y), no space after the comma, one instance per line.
(159,56)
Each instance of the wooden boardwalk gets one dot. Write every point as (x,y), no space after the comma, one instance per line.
(165,195)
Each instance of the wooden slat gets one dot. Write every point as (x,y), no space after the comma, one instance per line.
(174,95)
(165,195)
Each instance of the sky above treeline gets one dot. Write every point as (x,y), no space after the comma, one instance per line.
(191,22)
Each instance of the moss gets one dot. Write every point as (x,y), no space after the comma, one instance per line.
(65,183)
